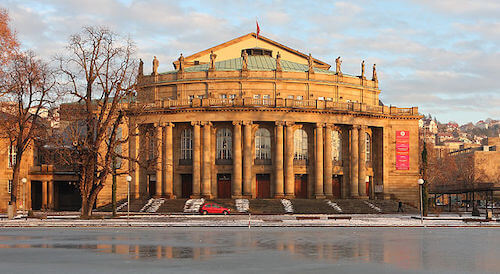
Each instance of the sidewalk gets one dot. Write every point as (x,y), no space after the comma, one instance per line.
(293,220)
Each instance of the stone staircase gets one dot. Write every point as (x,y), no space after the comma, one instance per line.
(309,206)
(135,205)
(193,205)
(227,203)
(391,206)
(152,205)
(172,206)
(266,206)
(355,206)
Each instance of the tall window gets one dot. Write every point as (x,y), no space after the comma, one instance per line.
(368,148)
(300,144)
(263,144)
(9,186)
(187,144)
(12,155)
(224,143)
(336,146)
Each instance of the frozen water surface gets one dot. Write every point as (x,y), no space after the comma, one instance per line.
(256,250)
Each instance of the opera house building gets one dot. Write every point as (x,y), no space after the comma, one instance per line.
(253,118)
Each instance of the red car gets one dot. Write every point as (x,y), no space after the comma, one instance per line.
(213,208)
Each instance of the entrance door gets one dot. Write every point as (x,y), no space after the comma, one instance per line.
(224,186)
(301,186)
(36,195)
(68,195)
(263,186)
(152,185)
(336,186)
(187,185)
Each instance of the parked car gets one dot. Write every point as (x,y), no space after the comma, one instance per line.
(213,208)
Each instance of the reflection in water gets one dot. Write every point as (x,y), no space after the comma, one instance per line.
(407,249)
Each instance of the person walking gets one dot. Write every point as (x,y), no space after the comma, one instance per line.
(400,206)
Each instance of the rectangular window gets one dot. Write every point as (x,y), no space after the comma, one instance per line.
(256,96)
(200,96)
(266,96)
(321,98)
(300,97)
(232,96)
(329,99)
(196,62)
(223,96)
(289,97)
(9,186)
(191,97)
(12,156)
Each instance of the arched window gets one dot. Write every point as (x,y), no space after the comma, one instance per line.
(300,144)
(336,146)
(263,144)
(224,143)
(368,148)
(187,144)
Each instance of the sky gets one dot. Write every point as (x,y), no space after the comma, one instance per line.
(442,56)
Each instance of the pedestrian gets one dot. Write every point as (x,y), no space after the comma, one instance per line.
(400,206)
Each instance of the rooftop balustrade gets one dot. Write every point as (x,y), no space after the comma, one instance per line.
(281,103)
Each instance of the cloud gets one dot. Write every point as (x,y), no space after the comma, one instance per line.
(439,55)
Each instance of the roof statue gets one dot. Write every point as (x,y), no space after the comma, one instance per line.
(244,65)
(363,69)
(181,63)
(212,60)
(374,76)
(141,68)
(278,62)
(156,64)
(338,62)
(310,64)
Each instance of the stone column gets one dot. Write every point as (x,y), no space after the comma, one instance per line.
(50,195)
(44,195)
(362,162)
(278,162)
(247,159)
(318,167)
(289,150)
(354,162)
(169,161)
(196,159)
(328,164)
(236,180)
(159,159)
(206,175)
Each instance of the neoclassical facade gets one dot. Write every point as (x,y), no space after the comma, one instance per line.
(253,118)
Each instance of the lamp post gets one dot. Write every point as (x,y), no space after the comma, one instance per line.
(129,179)
(420,189)
(24,180)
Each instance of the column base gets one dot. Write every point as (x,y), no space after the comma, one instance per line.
(169,196)
(329,196)
(236,196)
(319,196)
(289,196)
(195,196)
(246,196)
(363,197)
(279,196)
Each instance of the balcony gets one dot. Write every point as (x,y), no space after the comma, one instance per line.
(281,103)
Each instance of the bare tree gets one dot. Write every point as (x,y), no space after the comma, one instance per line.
(26,88)
(99,74)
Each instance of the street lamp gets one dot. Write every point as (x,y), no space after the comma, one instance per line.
(129,179)
(24,180)
(420,190)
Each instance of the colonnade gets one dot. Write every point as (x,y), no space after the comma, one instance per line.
(283,160)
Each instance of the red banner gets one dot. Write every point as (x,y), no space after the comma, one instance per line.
(402,150)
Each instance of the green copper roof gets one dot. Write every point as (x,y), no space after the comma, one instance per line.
(257,62)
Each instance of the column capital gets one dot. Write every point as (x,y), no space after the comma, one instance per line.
(279,123)
(159,124)
(169,124)
(205,123)
(237,123)
(356,127)
(320,125)
(196,123)
(247,123)
(289,123)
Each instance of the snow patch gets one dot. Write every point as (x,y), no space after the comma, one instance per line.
(242,205)
(152,205)
(334,205)
(121,206)
(287,204)
(193,205)
(372,206)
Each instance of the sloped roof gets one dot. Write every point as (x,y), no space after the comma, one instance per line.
(256,62)
(250,36)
